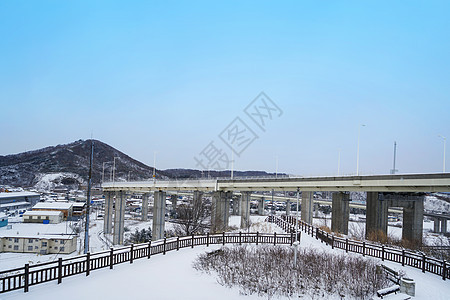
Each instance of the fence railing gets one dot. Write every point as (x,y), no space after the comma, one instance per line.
(402,256)
(29,275)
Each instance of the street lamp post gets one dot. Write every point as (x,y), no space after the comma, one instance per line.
(339,162)
(357,150)
(296,230)
(103,172)
(445,142)
(114,168)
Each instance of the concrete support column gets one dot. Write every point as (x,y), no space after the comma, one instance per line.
(437,225)
(119,218)
(444,225)
(307,206)
(261,206)
(197,198)
(413,221)
(173,200)
(109,204)
(159,213)
(220,211)
(145,207)
(245,209)
(236,204)
(288,207)
(340,212)
(376,213)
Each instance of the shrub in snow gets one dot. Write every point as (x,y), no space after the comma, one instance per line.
(269,271)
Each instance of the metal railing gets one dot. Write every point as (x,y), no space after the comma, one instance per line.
(29,275)
(402,256)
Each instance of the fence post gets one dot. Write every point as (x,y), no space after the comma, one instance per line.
(207,239)
(274,238)
(292,238)
(131,253)
(178,243)
(423,263)
(403,257)
(317,235)
(240,238)
(59,270)
(192,244)
(111,258)
(223,238)
(444,269)
(149,249)
(257,237)
(27,275)
(346,244)
(382,252)
(164,247)
(332,241)
(88,263)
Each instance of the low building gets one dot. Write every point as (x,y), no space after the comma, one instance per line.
(64,207)
(78,209)
(18,200)
(42,244)
(43,216)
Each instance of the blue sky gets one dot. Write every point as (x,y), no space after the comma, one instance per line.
(169,76)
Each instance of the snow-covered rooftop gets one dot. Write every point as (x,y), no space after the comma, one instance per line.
(18,194)
(15,204)
(42,213)
(37,230)
(52,205)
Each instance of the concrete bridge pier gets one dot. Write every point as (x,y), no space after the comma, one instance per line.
(288,207)
(145,207)
(261,206)
(437,225)
(197,199)
(444,225)
(159,213)
(307,206)
(236,203)
(109,204)
(376,214)
(173,200)
(413,221)
(119,218)
(340,212)
(245,209)
(220,210)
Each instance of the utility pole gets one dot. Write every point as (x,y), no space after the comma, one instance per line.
(88,201)
(395,154)
(357,150)
(445,142)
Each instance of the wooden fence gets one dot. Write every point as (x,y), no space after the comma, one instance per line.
(402,256)
(29,275)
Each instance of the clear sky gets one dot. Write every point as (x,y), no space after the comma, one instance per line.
(170,76)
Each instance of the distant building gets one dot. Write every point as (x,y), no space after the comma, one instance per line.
(18,201)
(38,244)
(64,207)
(43,216)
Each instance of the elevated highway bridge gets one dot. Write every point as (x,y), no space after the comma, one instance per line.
(383,192)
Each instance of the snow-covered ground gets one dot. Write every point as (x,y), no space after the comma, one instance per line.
(171,276)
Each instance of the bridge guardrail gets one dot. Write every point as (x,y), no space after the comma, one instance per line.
(29,275)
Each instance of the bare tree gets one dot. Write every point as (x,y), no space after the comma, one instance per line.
(192,217)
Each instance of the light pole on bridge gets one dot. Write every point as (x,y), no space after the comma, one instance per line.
(357,149)
(445,142)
